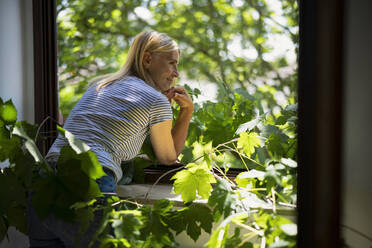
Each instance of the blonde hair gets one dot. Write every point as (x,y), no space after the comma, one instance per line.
(148,41)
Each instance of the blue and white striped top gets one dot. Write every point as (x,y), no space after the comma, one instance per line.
(115,120)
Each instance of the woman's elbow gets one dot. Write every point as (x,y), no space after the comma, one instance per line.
(167,161)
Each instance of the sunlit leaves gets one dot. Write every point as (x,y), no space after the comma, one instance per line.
(126,224)
(226,35)
(74,142)
(245,178)
(193,181)
(279,231)
(248,141)
(8,112)
(220,236)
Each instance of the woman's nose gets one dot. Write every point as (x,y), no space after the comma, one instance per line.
(175,73)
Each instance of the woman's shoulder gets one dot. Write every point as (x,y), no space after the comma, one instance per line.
(140,87)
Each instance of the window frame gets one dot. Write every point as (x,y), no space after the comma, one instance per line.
(44,14)
(320,91)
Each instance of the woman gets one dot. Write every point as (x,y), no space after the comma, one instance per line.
(114,117)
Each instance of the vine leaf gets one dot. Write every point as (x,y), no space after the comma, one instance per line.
(11,191)
(244,178)
(126,224)
(17,217)
(223,199)
(247,126)
(220,235)
(155,226)
(10,148)
(276,146)
(8,112)
(248,141)
(193,219)
(45,190)
(29,144)
(87,160)
(191,181)
(76,144)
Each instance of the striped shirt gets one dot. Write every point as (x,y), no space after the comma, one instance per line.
(115,120)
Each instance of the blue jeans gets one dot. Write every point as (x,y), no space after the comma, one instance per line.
(55,233)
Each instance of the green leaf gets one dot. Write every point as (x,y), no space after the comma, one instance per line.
(11,191)
(275,146)
(45,192)
(78,174)
(76,144)
(87,161)
(196,217)
(248,142)
(235,241)
(191,181)
(23,169)
(218,237)
(17,217)
(8,113)
(127,224)
(155,222)
(247,126)
(10,149)
(244,178)
(223,199)
(29,144)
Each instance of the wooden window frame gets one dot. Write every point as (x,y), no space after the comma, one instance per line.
(44,14)
(320,91)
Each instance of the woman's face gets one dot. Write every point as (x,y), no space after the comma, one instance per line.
(162,68)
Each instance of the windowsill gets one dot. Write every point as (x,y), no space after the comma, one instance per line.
(138,192)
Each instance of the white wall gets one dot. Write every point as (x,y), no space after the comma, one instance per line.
(357,195)
(16,56)
(16,72)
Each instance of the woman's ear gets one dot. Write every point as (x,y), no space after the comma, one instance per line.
(146,59)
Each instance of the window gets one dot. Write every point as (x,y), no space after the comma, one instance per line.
(320,91)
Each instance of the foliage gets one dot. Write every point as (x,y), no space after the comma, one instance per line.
(264,145)
(70,192)
(249,127)
(222,42)
(55,190)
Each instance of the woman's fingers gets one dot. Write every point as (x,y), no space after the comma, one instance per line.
(179,94)
(183,100)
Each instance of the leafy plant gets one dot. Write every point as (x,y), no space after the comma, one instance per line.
(70,191)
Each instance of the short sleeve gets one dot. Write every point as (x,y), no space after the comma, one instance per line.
(160,111)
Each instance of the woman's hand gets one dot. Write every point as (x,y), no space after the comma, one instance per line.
(179,94)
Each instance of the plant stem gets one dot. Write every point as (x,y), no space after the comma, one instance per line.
(281,197)
(240,156)
(157,181)
(249,228)
(274,202)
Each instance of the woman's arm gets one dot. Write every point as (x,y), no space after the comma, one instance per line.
(168,142)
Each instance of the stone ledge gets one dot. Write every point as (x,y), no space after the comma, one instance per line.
(164,191)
